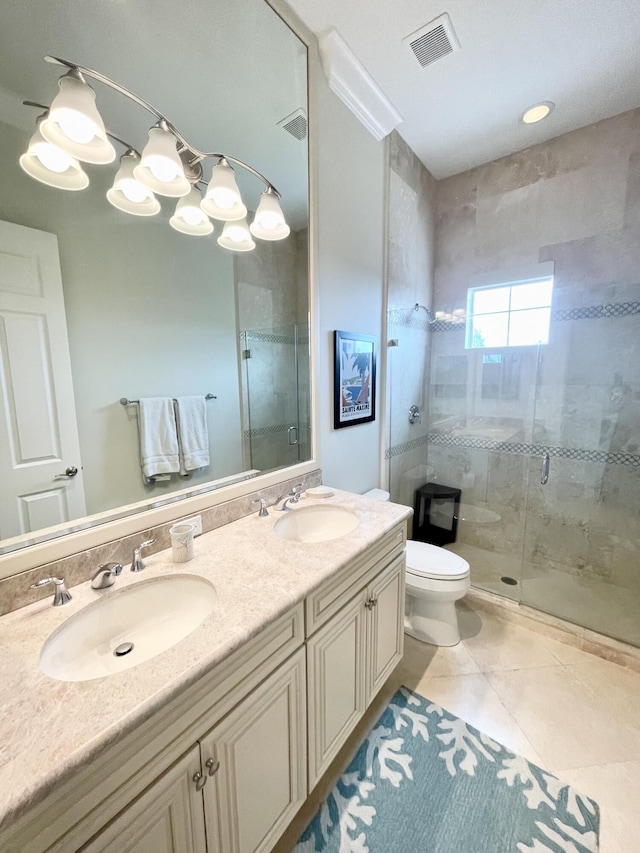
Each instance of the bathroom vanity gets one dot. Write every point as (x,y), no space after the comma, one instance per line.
(214,744)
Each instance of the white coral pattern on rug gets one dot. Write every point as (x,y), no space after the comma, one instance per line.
(345,817)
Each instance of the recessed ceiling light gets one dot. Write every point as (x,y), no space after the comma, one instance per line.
(537,112)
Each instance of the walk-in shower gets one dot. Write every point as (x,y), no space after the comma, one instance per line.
(530,396)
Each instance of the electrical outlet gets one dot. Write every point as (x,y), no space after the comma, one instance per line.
(196,520)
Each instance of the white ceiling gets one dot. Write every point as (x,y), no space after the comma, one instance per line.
(463,110)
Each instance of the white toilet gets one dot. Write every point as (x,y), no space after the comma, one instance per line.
(434,580)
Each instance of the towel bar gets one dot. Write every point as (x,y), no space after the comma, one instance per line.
(124,401)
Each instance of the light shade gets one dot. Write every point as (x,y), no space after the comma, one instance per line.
(128,194)
(236,237)
(269,223)
(160,168)
(189,217)
(51,166)
(74,123)
(222,199)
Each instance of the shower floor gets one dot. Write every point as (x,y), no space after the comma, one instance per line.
(590,602)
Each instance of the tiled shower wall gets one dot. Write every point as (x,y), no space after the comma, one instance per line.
(273,309)
(411,195)
(575,201)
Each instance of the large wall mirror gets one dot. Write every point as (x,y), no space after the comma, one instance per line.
(145,311)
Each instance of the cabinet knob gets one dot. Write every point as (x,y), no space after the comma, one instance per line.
(371,603)
(213,766)
(200,780)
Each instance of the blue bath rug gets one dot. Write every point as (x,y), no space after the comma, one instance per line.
(426,782)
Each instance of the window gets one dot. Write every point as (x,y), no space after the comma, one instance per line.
(514,314)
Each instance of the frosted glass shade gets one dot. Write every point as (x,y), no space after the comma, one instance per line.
(51,166)
(222,199)
(128,194)
(75,125)
(269,223)
(189,217)
(236,237)
(160,168)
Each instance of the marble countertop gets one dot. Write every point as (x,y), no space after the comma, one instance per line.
(49,728)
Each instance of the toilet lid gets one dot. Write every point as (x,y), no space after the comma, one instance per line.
(433,562)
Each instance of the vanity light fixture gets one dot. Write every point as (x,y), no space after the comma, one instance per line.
(71,132)
(189,217)
(537,112)
(128,193)
(236,236)
(268,223)
(50,165)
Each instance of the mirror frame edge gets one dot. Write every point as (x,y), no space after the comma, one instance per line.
(69,544)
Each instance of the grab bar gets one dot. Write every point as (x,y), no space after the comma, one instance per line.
(544,474)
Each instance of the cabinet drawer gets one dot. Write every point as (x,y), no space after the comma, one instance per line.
(325,601)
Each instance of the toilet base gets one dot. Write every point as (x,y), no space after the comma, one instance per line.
(434,622)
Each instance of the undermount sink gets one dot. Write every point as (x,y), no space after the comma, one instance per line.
(316,523)
(127,627)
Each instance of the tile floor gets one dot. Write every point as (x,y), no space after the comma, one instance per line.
(570,712)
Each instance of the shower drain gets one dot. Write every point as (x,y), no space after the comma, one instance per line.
(123,649)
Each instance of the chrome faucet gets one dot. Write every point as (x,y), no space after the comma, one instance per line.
(61,594)
(293,497)
(136,560)
(105,575)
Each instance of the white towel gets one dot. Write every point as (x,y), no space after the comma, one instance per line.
(193,437)
(159,452)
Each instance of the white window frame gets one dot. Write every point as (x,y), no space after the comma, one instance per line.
(511,278)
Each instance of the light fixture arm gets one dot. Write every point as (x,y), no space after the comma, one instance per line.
(198,155)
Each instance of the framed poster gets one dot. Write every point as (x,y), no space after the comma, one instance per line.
(354,380)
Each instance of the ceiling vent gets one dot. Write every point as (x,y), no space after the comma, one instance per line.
(433,41)
(295,124)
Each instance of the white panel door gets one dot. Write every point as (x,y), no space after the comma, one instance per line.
(260,782)
(38,429)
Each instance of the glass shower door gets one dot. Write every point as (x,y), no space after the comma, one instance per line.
(581,558)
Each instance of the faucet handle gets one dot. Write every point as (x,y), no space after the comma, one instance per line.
(263,512)
(61,594)
(136,561)
(296,493)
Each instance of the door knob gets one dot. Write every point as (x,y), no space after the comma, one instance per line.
(71,471)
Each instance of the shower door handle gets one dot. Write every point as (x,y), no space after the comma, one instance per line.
(544,474)
(292,435)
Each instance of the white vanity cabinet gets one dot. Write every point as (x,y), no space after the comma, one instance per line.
(244,780)
(355,650)
(167,818)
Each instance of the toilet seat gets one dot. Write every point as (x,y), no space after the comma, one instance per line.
(431,561)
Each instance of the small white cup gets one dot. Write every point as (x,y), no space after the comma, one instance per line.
(182,542)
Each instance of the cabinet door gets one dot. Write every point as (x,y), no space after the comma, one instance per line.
(385,635)
(167,818)
(335,661)
(261,779)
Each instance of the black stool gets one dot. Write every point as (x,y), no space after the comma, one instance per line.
(435,514)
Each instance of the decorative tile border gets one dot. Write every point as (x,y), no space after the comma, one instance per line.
(274,429)
(590,312)
(601,456)
(269,338)
(405,447)
(620,309)
(409,319)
